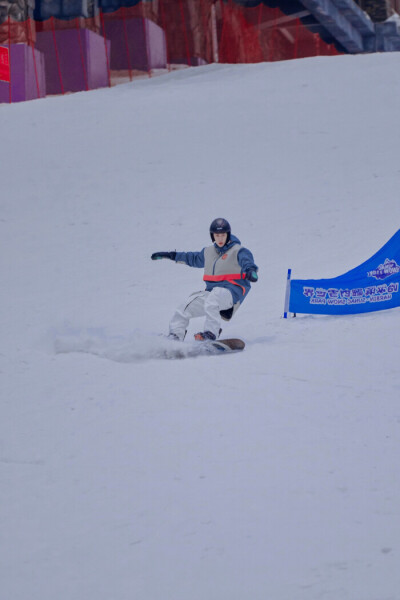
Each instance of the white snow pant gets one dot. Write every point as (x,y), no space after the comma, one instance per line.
(201,304)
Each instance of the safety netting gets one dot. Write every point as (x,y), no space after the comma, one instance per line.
(59,53)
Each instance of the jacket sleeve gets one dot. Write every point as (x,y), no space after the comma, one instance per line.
(192,259)
(246,260)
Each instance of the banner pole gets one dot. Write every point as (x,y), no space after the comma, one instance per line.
(57,55)
(166,34)
(9,59)
(31,43)
(105,47)
(85,77)
(214,33)
(185,33)
(128,54)
(145,32)
(287,295)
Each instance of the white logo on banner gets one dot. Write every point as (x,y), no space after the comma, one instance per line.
(389,267)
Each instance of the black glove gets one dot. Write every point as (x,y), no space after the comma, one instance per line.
(160,255)
(251,275)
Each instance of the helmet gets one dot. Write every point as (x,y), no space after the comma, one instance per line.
(220,226)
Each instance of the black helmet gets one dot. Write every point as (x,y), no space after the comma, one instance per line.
(220,226)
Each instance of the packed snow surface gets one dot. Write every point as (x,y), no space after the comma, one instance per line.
(271,474)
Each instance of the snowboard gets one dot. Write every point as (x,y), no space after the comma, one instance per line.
(225,346)
(208,348)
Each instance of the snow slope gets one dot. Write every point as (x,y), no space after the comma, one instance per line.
(271,474)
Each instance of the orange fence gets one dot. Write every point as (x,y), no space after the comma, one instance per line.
(60,56)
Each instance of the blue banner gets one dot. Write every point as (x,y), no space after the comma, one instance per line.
(374,285)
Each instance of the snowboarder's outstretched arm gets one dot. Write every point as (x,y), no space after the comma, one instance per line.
(192,259)
(246,261)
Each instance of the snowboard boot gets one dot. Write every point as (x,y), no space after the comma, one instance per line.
(176,338)
(173,336)
(204,336)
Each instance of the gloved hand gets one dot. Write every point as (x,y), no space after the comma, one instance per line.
(251,275)
(160,255)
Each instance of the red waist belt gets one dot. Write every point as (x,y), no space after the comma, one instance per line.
(230,278)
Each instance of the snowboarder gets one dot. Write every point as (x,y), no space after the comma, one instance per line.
(228,270)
